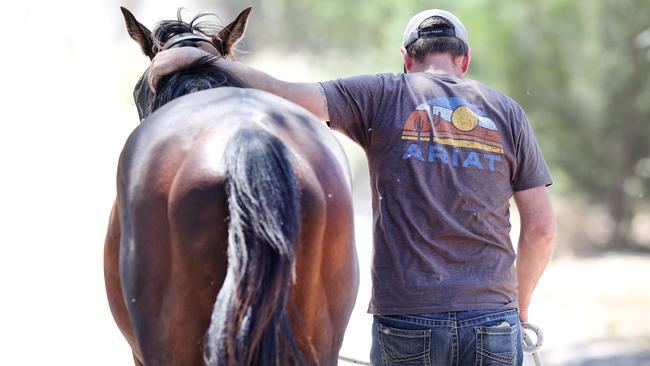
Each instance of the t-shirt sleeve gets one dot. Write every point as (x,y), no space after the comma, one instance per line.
(531,170)
(353,105)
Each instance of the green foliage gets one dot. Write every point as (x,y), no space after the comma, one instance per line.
(344,37)
(583,78)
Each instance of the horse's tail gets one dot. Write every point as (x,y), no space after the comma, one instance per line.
(250,320)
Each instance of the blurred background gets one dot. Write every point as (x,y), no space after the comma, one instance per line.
(579,68)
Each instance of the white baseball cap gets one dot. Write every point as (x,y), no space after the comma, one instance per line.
(412,33)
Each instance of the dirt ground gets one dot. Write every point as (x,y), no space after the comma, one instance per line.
(595,311)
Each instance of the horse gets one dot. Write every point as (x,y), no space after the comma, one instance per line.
(231,238)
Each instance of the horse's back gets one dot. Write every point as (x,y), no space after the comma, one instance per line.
(216,114)
(173,214)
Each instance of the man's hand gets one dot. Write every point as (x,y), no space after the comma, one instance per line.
(523,315)
(171,60)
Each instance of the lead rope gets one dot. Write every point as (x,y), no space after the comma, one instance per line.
(528,346)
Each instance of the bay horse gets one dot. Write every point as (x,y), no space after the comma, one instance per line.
(231,238)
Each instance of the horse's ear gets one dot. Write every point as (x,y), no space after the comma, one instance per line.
(230,35)
(139,33)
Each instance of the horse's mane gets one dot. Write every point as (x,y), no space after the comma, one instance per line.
(200,75)
(166,29)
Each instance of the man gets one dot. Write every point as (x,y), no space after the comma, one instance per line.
(445,155)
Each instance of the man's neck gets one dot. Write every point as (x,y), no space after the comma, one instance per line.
(438,64)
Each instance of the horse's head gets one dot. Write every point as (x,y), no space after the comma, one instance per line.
(177,33)
(196,33)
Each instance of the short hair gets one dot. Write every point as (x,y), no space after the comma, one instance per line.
(439,44)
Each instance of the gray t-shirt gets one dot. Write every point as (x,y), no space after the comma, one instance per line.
(445,155)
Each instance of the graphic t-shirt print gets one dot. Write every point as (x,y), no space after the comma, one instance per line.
(455,133)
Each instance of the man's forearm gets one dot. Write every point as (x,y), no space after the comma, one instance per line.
(307,95)
(534,253)
(251,77)
(536,241)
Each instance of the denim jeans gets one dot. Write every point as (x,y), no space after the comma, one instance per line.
(461,338)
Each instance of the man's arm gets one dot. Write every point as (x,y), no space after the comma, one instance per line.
(536,241)
(310,96)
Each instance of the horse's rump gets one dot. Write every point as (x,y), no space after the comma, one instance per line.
(176,172)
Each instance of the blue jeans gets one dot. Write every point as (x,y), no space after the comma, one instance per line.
(460,338)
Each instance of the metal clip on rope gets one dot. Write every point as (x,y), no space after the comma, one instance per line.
(530,347)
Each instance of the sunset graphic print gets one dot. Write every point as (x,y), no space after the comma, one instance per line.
(453,122)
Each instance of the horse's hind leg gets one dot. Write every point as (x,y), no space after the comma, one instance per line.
(326,266)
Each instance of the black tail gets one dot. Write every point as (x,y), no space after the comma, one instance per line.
(250,322)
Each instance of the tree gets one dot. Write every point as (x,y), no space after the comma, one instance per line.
(582,75)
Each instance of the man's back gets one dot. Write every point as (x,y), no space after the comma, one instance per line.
(445,155)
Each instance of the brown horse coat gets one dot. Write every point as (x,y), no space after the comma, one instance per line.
(165,251)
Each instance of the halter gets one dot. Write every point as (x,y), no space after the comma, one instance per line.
(184,37)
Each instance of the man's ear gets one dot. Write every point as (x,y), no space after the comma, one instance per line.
(139,33)
(226,39)
(408,60)
(465,61)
